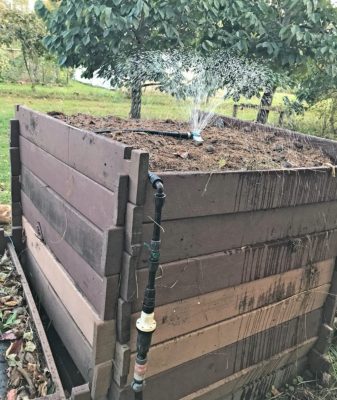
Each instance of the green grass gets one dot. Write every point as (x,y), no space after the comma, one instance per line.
(77,97)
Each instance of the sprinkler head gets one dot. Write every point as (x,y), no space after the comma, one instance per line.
(196,136)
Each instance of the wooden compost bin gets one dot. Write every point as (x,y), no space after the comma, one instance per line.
(247,262)
(35,317)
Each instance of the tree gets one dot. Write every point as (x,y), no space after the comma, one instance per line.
(288,34)
(100,35)
(27,31)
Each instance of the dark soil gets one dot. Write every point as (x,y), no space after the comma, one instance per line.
(223,148)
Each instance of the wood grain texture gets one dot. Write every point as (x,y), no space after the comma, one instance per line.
(75,147)
(199,275)
(240,191)
(77,306)
(245,377)
(76,344)
(193,237)
(34,314)
(101,292)
(94,201)
(101,381)
(192,314)
(84,237)
(206,340)
(222,363)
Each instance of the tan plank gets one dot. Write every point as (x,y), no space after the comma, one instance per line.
(185,316)
(72,299)
(206,340)
(244,377)
(101,381)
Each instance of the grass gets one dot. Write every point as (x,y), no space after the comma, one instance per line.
(78,97)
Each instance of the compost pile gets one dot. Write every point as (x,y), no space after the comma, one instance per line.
(20,353)
(223,148)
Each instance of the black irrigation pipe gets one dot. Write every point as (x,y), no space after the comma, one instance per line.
(176,135)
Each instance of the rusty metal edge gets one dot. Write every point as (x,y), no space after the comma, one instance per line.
(59,393)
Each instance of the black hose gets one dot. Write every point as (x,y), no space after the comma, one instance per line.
(146,324)
(176,135)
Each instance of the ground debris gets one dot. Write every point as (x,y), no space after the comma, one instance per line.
(224,148)
(27,376)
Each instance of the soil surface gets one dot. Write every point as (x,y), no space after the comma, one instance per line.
(223,148)
(23,373)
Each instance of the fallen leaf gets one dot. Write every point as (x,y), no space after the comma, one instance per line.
(10,335)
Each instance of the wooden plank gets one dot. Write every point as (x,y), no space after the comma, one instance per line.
(185,316)
(193,237)
(94,201)
(104,342)
(319,363)
(222,363)
(196,194)
(77,306)
(206,340)
(138,173)
(15,161)
(75,147)
(133,227)
(121,363)
(80,392)
(101,381)
(101,292)
(77,346)
(17,238)
(196,276)
(325,336)
(262,387)
(242,378)
(16,214)
(84,237)
(124,325)
(330,306)
(34,314)
(14,133)
(16,189)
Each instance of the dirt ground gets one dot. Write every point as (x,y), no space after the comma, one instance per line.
(223,148)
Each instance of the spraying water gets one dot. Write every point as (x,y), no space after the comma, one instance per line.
(197,80)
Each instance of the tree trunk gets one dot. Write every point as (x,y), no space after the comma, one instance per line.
(266,101)
(136,101)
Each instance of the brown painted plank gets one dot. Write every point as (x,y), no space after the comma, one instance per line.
(195,276)
(101,292)
(76,147)
(94,201)
(185,316)
(38,324)
(64,287)
(71,336)
(212,193)
(84,237)
(245,377)
(199,236)
(211,338)
(222,363)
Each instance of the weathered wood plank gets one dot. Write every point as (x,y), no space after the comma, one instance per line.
(38,324)
(104,342)
(123,321)
(188,315)
(206,340)
(16,189)
(202,193)
(222,363)
(247,376)
(102,292)
(101,381)
(75,147)
(80,392)
(196,276)
(71,336)
(14,133)
(94,201)
(138,173)
(195,236)
(77,306)
(84,237)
